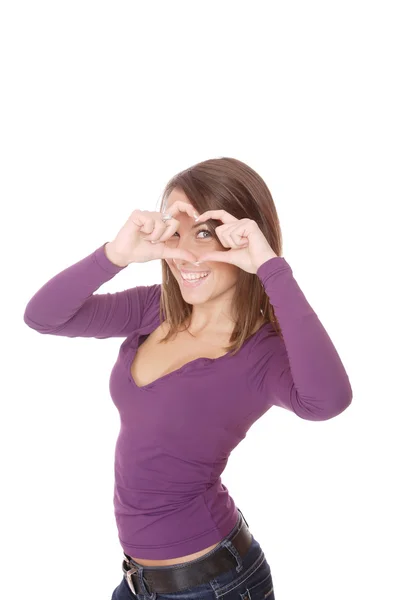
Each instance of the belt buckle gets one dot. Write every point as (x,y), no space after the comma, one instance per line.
(127,574)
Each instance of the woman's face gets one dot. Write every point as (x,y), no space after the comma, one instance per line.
(222,277)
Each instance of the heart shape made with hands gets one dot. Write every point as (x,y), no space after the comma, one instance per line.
(249,248)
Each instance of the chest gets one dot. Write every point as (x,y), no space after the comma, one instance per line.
(154,359)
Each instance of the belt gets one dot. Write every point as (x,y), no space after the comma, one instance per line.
(191,574)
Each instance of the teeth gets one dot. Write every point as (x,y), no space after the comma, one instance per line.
(193,276)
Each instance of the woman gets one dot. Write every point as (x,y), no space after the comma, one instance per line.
(226,336)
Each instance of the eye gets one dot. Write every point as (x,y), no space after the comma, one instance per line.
(205,231)
(199,231)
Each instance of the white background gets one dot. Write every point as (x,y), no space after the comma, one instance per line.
(101,103)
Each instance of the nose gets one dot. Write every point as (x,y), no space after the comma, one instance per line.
(186,242)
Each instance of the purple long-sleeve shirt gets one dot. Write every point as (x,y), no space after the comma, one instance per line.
(177,432)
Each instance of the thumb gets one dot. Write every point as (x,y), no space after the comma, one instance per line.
(178,253)
(217,256)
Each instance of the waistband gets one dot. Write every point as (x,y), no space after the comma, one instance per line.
(177,577)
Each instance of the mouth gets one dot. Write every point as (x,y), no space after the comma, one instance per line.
(193,281)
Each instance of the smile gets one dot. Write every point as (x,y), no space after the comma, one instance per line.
(193,279)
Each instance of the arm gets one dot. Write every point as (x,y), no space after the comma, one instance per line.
(303,373)
(67,306)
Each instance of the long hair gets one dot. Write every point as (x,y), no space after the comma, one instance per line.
(231,185)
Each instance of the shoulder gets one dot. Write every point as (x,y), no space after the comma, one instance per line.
(264,344)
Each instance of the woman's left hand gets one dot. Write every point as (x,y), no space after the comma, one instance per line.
(249,247)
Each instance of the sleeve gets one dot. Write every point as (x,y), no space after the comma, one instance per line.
(303,372)
(67,306)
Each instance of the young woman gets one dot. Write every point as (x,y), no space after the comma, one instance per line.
(226,336)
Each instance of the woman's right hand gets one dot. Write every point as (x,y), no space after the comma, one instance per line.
(133,242)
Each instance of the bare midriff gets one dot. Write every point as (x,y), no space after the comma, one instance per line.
(173,561)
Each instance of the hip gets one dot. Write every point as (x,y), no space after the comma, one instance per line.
(230,571)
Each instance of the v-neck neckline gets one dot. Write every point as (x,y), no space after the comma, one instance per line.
(195,363)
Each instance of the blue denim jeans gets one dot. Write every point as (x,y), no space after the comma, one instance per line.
(250,580)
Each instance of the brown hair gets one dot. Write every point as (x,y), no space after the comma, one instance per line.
(231,185)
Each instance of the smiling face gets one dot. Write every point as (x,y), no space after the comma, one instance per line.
(217,289)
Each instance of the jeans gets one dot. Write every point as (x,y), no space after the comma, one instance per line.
(250,579)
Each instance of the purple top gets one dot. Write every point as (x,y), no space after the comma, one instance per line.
(177,432)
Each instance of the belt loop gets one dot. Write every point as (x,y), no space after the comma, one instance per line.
(229,546)
(147,594)
(137,570)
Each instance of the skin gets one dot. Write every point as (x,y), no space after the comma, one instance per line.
(211,299)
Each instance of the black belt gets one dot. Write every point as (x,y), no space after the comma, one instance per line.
(196,572)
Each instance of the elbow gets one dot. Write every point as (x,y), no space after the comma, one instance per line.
(340,400)
(28,321)
(330,404)
(325,406)
(327,409)
(336,406)
(27,318)
(32,323)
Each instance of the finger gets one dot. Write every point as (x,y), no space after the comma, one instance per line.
(158,230)
(162,231)
(178,253)
(223,239)
(170,228)
(220,215)
(237,238)
(226,257)
(144,221)
(179,206)
(231,235)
